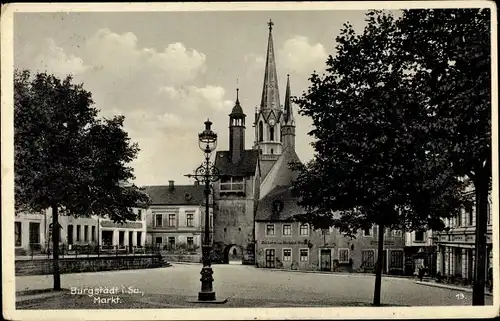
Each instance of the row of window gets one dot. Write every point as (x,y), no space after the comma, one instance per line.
(172,220)
(371,232)
(287,229)
(467,217)
(79,233)
(171,242)
(34,233)
(343,255)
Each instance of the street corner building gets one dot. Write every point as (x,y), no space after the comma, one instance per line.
(456,247)
(175,220)
(283,242)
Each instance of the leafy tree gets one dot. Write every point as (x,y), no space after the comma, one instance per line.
(67,159)
(450,53)
(372,164)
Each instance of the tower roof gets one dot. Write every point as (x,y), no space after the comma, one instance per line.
(237,110)
(288,113)
(270,92)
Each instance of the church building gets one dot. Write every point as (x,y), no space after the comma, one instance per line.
(247,175)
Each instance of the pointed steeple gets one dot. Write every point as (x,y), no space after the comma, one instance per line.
(288,125)
(288,112)
(270,93)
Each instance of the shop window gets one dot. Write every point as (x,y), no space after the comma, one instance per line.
(78,232)
(343,255)
(304,255)
(86,233)
(190,242)
(171,243)
(367,258)
(287,255)
(93,233)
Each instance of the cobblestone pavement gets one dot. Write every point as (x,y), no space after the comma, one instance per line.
(243,286)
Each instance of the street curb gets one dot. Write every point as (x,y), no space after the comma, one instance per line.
(410,278)
(450,287)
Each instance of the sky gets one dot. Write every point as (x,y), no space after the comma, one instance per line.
(167,72)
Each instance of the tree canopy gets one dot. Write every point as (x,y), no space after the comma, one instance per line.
(372,161)
(66,156)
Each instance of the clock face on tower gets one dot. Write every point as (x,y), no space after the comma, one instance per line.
(271,122)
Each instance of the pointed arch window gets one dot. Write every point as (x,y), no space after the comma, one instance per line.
(271,133)
(261,131)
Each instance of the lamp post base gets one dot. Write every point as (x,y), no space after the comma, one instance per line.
(215,301)
(206,296)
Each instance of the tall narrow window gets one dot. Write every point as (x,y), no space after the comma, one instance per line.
(171,220)
(18,234)
(78,231)
(271,134)
(189,219)
(261,131)
(158,220)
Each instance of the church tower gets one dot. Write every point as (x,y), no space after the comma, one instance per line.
(236,131)
(288,125)
(268,116)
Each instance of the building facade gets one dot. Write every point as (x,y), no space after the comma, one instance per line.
(284,242)
(175,218)
(34,231)
(456,247)
(29,232)
(420,250)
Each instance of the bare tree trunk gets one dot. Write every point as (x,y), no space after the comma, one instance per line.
(481,185)
(55,248)
(378,266)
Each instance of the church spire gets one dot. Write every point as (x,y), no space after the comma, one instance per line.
(288,112)
(288,125)
(270,93)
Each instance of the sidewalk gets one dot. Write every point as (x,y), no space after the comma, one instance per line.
(350,274)
(30,295)
(467,289)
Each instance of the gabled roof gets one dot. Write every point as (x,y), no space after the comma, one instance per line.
(280,174)
(247,165)
(265,208)
(178,195)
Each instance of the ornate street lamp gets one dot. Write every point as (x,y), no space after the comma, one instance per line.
(207,173)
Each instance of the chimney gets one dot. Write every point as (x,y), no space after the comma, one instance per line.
(171,185)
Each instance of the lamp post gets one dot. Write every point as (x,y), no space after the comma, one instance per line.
(207,173)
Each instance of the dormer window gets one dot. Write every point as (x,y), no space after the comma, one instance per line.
(277,206)
(232,184)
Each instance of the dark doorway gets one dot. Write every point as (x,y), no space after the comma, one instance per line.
(326,260)
(34,233)
(270,258)
(139,238)
(130,240)
(107,237)
(70,234)
(233,254)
